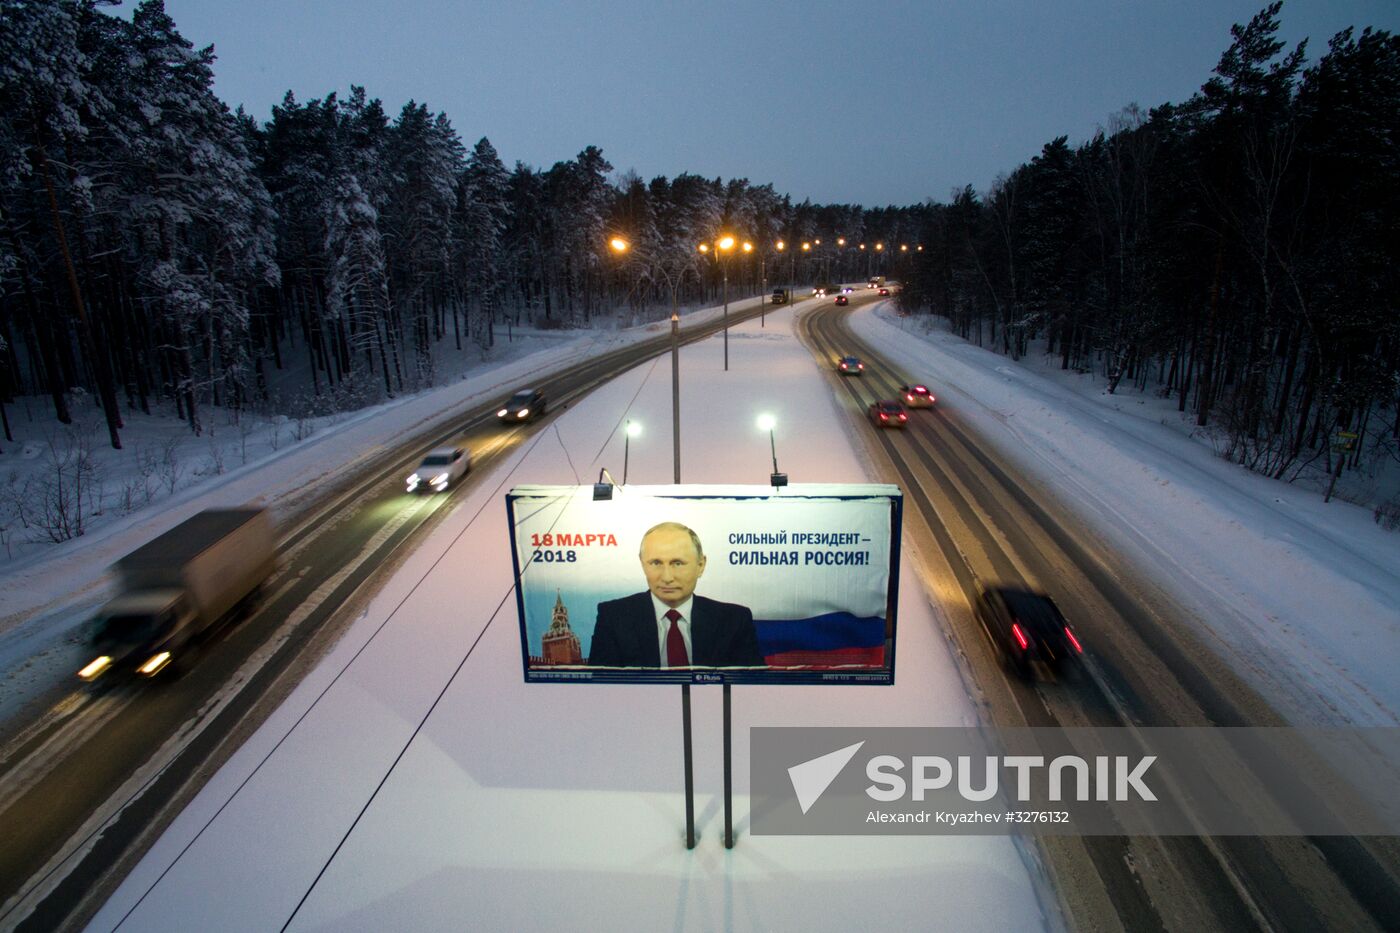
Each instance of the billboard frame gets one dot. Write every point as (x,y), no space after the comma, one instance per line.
(727,676)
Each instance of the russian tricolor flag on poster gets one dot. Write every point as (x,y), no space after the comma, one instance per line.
(837,640)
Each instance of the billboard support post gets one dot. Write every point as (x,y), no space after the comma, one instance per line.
(689,770)
(728,777)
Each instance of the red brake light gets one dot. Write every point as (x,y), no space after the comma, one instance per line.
(1020,635)
(1073,641)
(903,416)
(909,397)
(860,366)
(884,417)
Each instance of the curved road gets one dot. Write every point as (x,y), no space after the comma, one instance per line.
(91,782)
(975,519)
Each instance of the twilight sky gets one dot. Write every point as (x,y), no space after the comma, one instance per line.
(868,103)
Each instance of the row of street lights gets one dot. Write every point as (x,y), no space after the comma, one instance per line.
(672,270)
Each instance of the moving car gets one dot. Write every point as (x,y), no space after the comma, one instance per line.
(888,414)
(780,296)
(440,469)
(849,366)
(917,396)
(884,292)
(842,300)
(1026,627)
(846,289)
(524,405)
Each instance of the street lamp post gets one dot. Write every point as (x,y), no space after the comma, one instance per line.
(780,247)
(767,422)
(723,246)
(673,280)
(633,429)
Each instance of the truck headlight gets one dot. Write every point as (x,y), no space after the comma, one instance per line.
(154,665)
(95,668)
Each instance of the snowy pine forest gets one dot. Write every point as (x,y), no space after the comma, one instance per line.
(166,258)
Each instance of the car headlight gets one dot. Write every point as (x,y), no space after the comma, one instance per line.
(502,413)
(524,412)
(440,479)
(413,482)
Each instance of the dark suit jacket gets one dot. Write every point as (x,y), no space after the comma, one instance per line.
(721,634)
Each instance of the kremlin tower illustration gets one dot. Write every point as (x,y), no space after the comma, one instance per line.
(560,643)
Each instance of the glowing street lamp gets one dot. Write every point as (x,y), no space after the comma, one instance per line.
(673,279)
(634,429)
(767,422)
(723,247)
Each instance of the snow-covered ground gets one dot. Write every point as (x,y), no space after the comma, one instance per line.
(1304,596)
(561,804)
(413,781)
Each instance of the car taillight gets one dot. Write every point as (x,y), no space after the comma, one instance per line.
(909,397)
(884,417)
(903,416)
(1020,635)
(843,365)
(1073,641)
(860,366)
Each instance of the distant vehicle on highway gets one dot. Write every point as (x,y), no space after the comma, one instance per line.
(1026,627)
(888,413)
(917,396)
(850,366)
(440,469)
(842,300)
(524,405)
(178,587)
(876,281)
(846,290)
(780,296)
(884,291)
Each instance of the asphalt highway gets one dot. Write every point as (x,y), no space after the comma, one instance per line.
(975,519)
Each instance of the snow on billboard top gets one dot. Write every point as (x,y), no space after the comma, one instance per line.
(707,584)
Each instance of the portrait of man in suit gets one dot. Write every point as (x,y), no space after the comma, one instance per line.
(668,625)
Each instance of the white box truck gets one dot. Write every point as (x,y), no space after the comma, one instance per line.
(179,587)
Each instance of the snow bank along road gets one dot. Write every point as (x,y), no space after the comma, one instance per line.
(975,520)
(86,785)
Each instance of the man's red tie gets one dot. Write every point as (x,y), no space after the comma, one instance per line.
(675,642)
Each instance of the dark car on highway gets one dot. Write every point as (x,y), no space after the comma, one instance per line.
(888,414)
(524,405)
(842,300)
(850,366)
(1025,627)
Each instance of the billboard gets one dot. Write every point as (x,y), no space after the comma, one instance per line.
(707,584)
